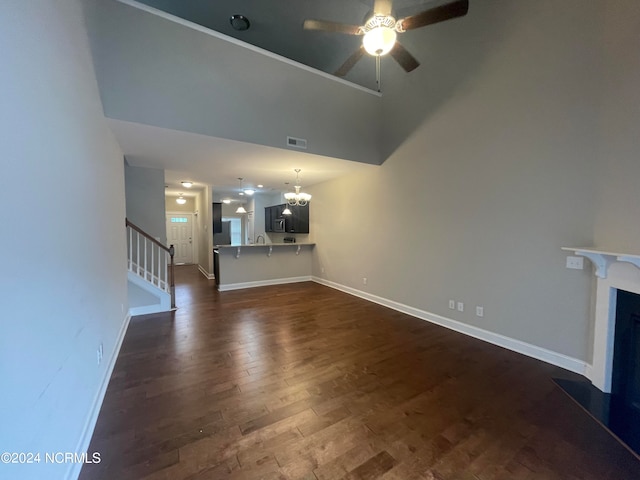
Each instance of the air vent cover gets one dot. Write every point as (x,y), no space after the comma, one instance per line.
(297,142)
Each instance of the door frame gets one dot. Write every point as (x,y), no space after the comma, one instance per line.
(194,237)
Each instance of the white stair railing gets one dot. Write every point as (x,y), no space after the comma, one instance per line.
(150,260)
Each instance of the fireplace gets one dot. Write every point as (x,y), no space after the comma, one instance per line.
(613,397)
(625,374)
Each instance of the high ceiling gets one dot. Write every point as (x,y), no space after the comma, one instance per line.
(276,26)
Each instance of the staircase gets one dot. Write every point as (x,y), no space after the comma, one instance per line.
(149,272)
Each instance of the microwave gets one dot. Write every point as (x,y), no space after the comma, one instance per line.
(278,225)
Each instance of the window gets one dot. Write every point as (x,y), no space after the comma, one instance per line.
(235,229)
(178,220)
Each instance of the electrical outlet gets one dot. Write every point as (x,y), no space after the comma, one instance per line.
(576,263)
(364,280)
(452,304)
(480,311)
(460,307)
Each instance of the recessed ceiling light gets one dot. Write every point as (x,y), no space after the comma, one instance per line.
(261,186)
(227,201)
(187,184)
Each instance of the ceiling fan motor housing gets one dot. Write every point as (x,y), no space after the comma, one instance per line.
(379,21)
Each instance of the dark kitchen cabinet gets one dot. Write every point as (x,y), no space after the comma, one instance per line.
(270,214)
(217,218)
(298,221)
(268,220)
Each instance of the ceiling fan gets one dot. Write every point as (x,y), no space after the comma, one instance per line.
(381,29)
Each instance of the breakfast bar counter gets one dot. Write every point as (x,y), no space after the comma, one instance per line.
(258,264)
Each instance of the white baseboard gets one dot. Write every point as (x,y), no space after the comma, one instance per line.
(87,432)
(147,309)
(589,372)
(263,283)
(534,351)
(209,276)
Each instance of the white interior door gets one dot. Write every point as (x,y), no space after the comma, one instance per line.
(180,235)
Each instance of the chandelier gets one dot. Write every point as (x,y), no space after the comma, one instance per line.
(298,198)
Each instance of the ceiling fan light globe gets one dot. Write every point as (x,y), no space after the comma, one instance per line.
(379,40)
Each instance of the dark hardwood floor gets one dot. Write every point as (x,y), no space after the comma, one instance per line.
(305,382)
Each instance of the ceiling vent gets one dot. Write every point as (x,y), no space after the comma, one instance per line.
(297,143)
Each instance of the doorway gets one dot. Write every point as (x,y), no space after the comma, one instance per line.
(180,235)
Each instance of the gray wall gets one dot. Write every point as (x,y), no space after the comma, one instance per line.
(618,225)
(496,168)
(145,200)
(157,72)
(64,285)
(170,204)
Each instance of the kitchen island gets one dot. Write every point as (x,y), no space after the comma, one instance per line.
(258,264)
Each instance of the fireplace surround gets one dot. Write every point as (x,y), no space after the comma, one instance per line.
(614,271)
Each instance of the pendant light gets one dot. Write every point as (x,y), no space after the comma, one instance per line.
(181,200)
(241,209)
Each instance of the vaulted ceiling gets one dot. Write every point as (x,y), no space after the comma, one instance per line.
(277,26)
(162,94)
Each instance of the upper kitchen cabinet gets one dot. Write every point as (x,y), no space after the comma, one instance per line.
(217,218)
(271,214)
(298,221)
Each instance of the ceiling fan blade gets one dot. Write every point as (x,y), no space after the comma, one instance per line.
(334,27)
(436,15)
(382,7)
(404,58)
(350,62)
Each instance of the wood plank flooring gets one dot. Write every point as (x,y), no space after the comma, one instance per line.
(305,382)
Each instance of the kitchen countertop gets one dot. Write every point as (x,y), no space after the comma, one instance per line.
(263,245)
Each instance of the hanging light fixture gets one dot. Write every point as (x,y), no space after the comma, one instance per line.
(380,35)
(241,209)
(181,200)
(298,198)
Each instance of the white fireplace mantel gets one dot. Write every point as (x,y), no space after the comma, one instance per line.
(614,271)
(602,259)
